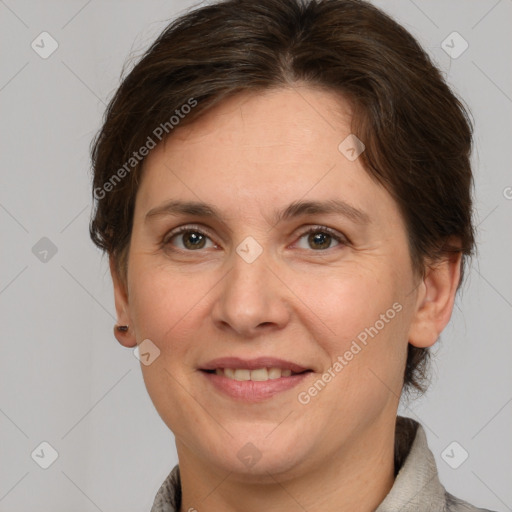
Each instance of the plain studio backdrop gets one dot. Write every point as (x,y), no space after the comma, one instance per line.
(64,379)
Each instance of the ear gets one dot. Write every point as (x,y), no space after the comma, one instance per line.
(435,302)
(127,339)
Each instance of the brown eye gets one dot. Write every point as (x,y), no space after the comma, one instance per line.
(187,239)
(193,240)
(321,238)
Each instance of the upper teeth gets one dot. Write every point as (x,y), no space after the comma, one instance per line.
(260,374)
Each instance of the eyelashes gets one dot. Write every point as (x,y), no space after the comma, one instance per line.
(199,237)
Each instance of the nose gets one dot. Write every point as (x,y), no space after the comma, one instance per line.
(252,299)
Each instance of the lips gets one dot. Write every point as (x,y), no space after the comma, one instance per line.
(253,380)
(253,364)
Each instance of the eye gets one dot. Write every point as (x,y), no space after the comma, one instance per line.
(321,238)
(191,238)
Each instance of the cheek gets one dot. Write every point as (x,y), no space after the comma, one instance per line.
(164,308)
(361,323)
(161,299)
(346,302)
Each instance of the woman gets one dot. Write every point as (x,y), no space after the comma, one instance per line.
(284,191)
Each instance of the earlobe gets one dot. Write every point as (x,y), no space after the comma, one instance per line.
(435,301)
(124,336)
(123,330)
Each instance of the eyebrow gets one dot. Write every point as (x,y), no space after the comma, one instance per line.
(295,209)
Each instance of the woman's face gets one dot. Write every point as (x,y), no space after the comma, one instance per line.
(252,283)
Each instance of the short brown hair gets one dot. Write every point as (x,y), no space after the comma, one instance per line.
(417,134)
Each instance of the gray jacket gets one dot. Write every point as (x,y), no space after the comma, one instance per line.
(416,489)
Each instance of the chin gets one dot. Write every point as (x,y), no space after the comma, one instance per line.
(261,460)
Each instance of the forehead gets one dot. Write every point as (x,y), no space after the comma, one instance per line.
(256,150)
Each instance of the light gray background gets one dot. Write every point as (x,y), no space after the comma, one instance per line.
(63,377)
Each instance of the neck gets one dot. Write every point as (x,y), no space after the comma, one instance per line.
(357,477)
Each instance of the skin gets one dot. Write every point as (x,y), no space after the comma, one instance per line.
(251,154)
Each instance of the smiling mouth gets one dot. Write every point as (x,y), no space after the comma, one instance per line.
(256,375)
